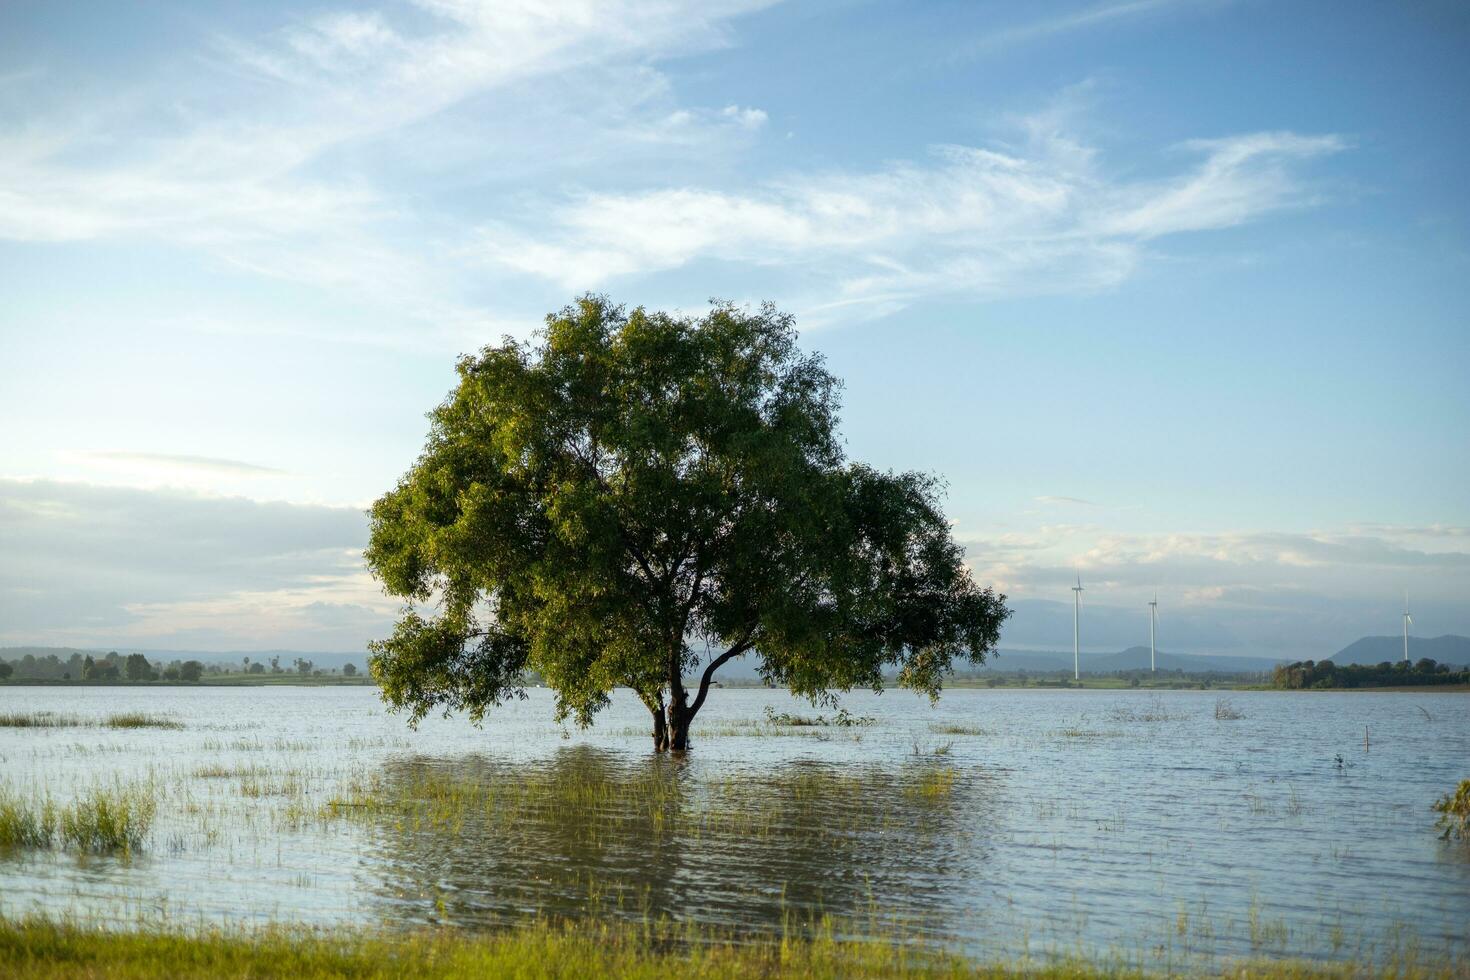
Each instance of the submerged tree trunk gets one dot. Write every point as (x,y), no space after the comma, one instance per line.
(679,718)
(660,731)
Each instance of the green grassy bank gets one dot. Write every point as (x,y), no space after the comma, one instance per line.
(39,948)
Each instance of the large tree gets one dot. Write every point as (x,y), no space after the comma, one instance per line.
(635,499)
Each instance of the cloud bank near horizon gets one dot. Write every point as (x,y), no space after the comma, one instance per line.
(89,565)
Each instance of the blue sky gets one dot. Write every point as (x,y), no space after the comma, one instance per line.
(1171,293)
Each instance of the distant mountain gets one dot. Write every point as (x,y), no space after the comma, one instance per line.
(1448,649)
(1134,658)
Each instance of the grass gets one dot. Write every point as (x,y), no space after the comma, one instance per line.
(50,719)
(41,949)
(1454,813)
(103,820)
(954,728)
(138,719)
(39,719)
(1225,710)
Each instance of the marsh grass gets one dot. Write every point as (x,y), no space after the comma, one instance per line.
(40,719)
(1454,813)
(36,948)
(138,719)
(1225,710)
(955,728)
(51,719)
(843,719)
(111,819)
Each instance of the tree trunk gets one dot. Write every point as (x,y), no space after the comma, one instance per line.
(679,718)
(660,731)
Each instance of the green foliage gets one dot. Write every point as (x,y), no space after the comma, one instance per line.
(596,506)
(1324,674)
(349,670)
(5,670)
(1454,813)
(137,668)
(192,670)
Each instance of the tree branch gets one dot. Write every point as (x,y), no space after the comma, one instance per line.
(715,664)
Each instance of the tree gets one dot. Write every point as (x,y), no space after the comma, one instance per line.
(137,668)
(638,498)
(257,668)
(303,666)
(100,670)
(5,670)
(349,670)
(191,671)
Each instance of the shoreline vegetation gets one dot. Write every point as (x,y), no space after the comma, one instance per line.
(135,669)
(38,948)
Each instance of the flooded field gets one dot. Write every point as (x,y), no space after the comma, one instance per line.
(1161,828)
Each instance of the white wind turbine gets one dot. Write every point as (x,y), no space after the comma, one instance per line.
(1076,614)
(1408,621)
(1153,618)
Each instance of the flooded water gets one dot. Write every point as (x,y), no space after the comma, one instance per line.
(1003,822)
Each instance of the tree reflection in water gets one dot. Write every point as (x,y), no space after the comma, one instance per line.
(592,833)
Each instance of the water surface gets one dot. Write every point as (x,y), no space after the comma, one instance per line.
(1005,822)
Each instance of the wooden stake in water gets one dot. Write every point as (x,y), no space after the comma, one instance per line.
(1365,738)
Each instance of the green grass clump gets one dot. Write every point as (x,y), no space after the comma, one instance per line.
(39,719)
(1454,813)
(954,728)
(40,949)
(108,819)
(103,820)
(25,823)
(138,719)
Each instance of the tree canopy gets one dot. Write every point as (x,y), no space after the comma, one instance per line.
(636,498)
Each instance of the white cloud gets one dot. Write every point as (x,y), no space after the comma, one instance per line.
(270,153)
(211,464)
(86,564)
(972,220)
(1082,18)
(1270,592)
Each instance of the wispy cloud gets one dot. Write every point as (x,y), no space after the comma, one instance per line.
(211,463)
(276,153)
(1081,18)
(971,220)
(1051,499)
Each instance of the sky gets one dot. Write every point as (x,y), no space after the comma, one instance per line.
(1171,293)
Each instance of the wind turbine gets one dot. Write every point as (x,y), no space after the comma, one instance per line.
(1153,618)
(1076,614)
(1408,620)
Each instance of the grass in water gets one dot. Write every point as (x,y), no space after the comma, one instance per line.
(137,719)
(954,728)
(1454,813)
(41,949)
(39,719)
(50,719)
(104,820)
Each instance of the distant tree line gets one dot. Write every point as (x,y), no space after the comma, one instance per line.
(1133,677)
(118,668)
(1325,675)
(113,667)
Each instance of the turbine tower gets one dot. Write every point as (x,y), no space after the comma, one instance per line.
(1408,621)
(1076,613)
(1153,618)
